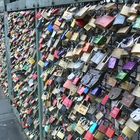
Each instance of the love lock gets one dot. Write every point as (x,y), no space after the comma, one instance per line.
(83,107)
(115,93)
(61,133)
(116,112)
(135,115)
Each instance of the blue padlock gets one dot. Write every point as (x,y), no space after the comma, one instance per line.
(50,28)
(97,91)
(93,128)
(86,90)
(61,53)
(47,64)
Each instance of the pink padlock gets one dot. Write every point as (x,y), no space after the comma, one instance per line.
(68,101)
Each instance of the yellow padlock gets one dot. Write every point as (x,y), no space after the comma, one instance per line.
(31,61)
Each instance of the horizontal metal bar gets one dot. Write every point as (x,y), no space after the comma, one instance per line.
(32,4)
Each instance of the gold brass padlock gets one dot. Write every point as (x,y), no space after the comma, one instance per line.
(99,135)
(82,108)
(132,125)
(75,36)
(128,132)
(79,128)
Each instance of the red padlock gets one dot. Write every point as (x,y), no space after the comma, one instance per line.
(120,138)
(56,52)
(68,101)
(87,48)
(80,22)
(110,132)
(89,136)
(105,100)
(116,112)
(102,127)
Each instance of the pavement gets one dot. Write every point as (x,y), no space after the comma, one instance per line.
(10,128)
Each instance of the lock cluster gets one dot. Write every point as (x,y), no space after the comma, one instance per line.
(86,59)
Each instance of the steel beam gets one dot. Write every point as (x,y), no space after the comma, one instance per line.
(40,82)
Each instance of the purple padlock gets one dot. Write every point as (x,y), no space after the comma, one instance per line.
(97,91)
(130,66)
(113,63)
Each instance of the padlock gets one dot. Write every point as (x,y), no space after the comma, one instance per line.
(61,133)
(130,66)
(128,132)
(81,90)
(97,91)
(128,100)
(83,107)
(105,100)
(116,111)
(100,40)
(122,76)
(68,101)
(115,93)
(89,136)
(110,132)
(80,126)
(76,80)
(87,47)
(70,137)
(113,63)
(97,58)
(103,127)
(133,120)
(86,90)
(93,128)
(99,136)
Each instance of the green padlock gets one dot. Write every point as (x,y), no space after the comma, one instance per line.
(99,40)
(26,67)
(122,76)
